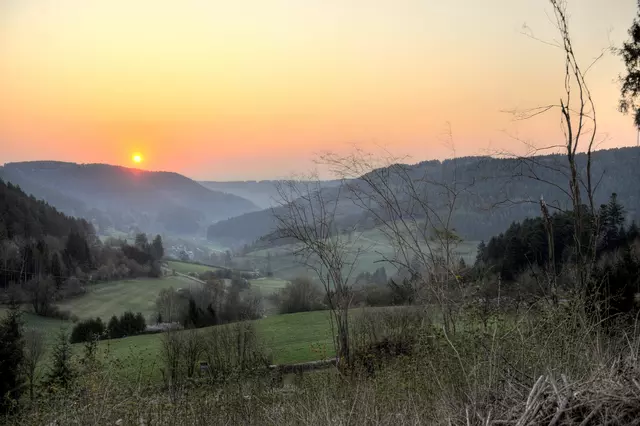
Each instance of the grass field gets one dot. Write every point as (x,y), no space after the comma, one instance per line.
(289,338)
(268,286)
(49,326)
(371,246)
(114,298)
(185,268)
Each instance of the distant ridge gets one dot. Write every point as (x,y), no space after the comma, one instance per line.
(124,198)
(482,212)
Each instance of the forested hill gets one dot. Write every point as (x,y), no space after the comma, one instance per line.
(497,192)
(24,216)
(123,198)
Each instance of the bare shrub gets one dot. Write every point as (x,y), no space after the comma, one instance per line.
(234,350)
(172,354)
(193,349)
(300,295)
(34,348)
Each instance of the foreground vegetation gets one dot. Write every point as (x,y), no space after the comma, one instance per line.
(525,368)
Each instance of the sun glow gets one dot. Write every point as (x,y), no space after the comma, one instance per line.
(136,158)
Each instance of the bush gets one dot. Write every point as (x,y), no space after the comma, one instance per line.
(300,295)
(55,312)
(378,295)
(155,271)
(88,330)
(235,350)
(72,287)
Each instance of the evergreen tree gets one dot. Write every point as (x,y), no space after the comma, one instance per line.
(157,250)
(62,372)
(227,259)
(379,277)
(193,316)
(482,247)
(56,270)
(630,90)
(113,329)
(633,232)
(140,323)
(269,268)
(11,357)
(77,251)
(141,241)
(615,212)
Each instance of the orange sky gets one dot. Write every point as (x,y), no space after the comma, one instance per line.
(251,89)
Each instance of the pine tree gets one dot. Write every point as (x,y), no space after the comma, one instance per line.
(633,232)
(615,212)
(482,247)
(62,372)
(269,268)
(141,241)
(113,329)
(157,250)
(11,357)
(227,259)
(56,270)
(630,90)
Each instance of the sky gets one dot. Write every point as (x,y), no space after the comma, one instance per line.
(255,89)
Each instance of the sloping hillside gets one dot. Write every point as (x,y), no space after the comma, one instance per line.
(497,192)
(122,198)
(27,217)
(34,235)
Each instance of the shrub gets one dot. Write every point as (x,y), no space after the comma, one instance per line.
(73,287)
(234,350)
(300,295)
(88,330)
(378,295)
(55,312)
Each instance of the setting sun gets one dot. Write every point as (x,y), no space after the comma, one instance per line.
(136,158)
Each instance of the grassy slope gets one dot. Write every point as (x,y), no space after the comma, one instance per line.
(268,286)
(185,268)
(49,326)
(372,246)
(116,297)
(290,338)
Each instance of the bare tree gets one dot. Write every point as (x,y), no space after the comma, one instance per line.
(414,208)
(40,292)
(308,218)
(172,355)
(578,118)
(193,348)
(33,351)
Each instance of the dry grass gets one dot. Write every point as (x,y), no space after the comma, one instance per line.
(543,369)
